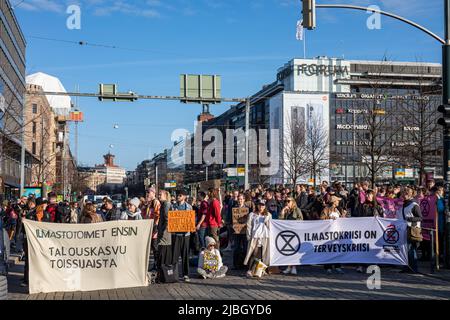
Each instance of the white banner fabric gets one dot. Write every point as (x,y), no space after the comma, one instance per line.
(347,240)
(88,257)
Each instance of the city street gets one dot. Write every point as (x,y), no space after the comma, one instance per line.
(311,283)
(230,148)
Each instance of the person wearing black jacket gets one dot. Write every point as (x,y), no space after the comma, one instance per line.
(353,202)
(371,208)
(30,215)
(302,197)
(112,213)
(412,214)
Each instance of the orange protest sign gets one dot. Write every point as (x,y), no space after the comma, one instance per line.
(182,221)
(240,220)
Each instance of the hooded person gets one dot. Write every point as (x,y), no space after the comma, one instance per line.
(132,212)
(210,263)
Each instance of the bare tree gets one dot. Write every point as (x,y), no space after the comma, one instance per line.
(316,147)
(45,169)
(418,117)
(378,131)
(295,151)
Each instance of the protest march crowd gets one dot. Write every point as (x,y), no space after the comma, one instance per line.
(215,233)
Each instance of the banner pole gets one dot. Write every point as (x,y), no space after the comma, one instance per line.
(436,227)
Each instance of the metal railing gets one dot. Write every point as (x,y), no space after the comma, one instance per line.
(434,258)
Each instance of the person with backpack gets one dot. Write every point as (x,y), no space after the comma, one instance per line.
(132,212)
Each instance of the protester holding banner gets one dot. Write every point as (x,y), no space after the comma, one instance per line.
(291,212)
(210,263)
(164,240)
(180,240)
(371,208)
(240,214)
(333,212)
(258,236)
(231,203)
(413,216)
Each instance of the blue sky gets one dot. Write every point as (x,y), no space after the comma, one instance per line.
(243,41)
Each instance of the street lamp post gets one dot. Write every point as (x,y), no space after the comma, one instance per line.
(247,143)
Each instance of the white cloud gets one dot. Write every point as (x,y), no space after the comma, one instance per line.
(42,5)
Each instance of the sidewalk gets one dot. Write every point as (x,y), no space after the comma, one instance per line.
(311,284)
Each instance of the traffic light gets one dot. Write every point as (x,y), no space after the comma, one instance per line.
(445,120)
(109,92)
(309,14)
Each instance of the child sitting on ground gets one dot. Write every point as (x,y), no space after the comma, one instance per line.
(210,262)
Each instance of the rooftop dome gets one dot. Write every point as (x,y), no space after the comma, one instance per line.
(61,105)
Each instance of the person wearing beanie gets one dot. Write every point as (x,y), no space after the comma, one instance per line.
(210,263)
(132,212)
(181,240)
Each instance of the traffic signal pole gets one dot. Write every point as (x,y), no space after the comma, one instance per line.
(446,102)
(309,7)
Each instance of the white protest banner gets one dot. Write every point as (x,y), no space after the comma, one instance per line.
(88,257)
(347,240)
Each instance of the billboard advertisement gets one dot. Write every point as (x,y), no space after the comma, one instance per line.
(32,191)
(310,113)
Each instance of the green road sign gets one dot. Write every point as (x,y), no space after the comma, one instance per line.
(204,89)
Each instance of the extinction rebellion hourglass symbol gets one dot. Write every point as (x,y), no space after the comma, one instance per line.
(288,243)
(391,235)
